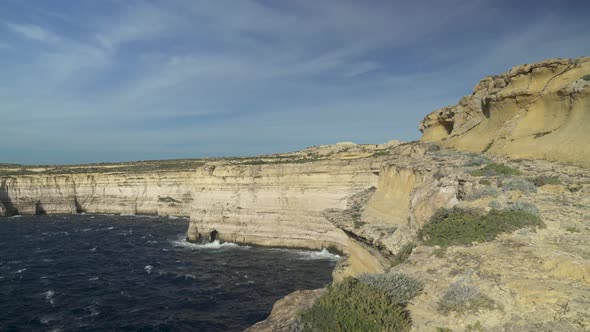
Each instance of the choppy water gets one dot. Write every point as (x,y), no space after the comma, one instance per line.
(96,273)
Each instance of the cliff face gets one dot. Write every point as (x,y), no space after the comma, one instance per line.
(534,111)
(167,193)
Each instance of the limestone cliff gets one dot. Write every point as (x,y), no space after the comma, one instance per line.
(535,111)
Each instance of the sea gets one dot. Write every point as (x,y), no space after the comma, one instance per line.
(133,273)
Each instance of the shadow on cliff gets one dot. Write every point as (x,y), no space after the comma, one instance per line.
(6,201)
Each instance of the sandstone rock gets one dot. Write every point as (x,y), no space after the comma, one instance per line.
(285,312)
(537,111)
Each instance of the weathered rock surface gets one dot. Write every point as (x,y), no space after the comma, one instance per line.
(535,111)
(285,312)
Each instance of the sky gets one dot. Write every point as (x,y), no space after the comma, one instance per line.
(117,80)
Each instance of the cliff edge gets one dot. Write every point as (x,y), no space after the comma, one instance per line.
(533,111)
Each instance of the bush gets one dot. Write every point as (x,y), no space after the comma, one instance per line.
(486,191)
(495,205)
(542,180)
(400,287)
(403,254)
(523,185)
(477,161)
(462,227)
(354,306)
(523,206)
(463,297)
(586,77)
(495,169)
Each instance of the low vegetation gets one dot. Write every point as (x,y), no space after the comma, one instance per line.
(494,169)
(455,226)
(477,161)
(542,180)
(399,287)
(463,297)
(403,254)
(523,206)
(351,305)
(572,229)
(487,191)
(126,167)
(586,77)
(520,184)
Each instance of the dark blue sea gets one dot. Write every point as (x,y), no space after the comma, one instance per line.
(130,273)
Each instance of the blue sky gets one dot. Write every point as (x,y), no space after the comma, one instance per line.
(114,80)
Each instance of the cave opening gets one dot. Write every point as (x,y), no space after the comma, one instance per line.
(448,125)
(213,235)
(39,210)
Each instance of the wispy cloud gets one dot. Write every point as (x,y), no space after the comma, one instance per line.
(126,79)
(33,32)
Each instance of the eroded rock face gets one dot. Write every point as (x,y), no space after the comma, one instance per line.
(163,194)
(285,312)
(536,111)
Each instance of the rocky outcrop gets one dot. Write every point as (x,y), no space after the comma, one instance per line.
(285,312)
(534,111)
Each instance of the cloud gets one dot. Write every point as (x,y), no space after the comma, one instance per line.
(185,78)
(34,32)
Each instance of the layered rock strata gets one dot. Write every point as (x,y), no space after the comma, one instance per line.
(535,111)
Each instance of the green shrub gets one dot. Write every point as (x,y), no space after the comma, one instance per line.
(462,227)
(586,77)
(403,254)
(400,287)
(572,229)
(477,161)
(487,191)
(439,252)
(463,297)
(523,185)
(542,180)
(354,306)
(495,205)
(495,169)
(523,206)
(574,188)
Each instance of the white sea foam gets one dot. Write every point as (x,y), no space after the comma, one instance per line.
(93,278)
(213,245)
(49,294)
(21,270)
(15,216)
(93,249)
(86,229)
(111,228)
(148,269)
(127,215)
(309,255)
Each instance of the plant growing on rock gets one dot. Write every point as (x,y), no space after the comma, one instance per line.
(487,191)
(494,169)
(523,206)
(456,226)
(542,180)
(403,254)
(462,297)
(351,305)
(401,288)
(523,185)
(477,161)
